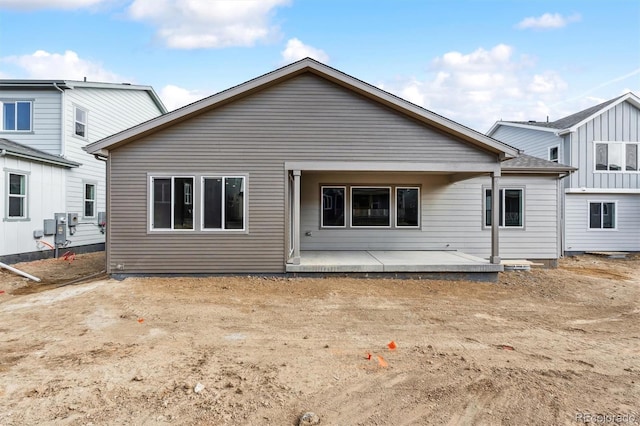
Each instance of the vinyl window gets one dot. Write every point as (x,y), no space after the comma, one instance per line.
(554,153)
(171,206)
(16,116)
(616,156)
(223,203)
(80,122)
(333,206)
(407,207)
(371,207)
(511,213)
(90,200)
(16,195)
(602,215)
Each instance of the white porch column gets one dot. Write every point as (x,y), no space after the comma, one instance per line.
(495,217)
(296,217)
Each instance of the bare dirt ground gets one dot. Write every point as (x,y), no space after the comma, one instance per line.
(539,347)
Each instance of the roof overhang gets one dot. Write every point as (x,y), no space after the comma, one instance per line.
(405,107)
(519,125)
(62,162)
(629,97)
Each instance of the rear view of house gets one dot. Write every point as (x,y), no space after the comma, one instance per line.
(53,191)
(307,169)
(602,199)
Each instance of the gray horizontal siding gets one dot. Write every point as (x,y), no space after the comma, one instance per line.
(531,142)
(303,119)
(622,124)
(626,236)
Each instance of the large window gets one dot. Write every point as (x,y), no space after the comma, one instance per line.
(172,203)
(16,196)
(80,122)
(511,210)
(616,156)
(370,207)
(89,200)
(223,203)
(602,215)
(16,116)
(333,207)
(407,207)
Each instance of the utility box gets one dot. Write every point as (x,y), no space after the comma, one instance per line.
(61,228)
(72,219)
(38,233)
(49,226)
(102,218)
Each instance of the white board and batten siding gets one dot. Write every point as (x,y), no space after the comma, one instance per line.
(451,217)
(108,111)
(45,196)
(46,119)
(530,141)
(618,124)
(305,118)
(625,236)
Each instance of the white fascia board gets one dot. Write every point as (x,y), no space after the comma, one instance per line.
(119,86)
(520,125)
(602,191)
(630,97)
(393,166)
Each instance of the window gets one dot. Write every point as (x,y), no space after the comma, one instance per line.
(89,200)
(333,207)
(16,116)
(80,123)
(17,196)
(602,215)
(171,208)
(223,203)
(407,207)
(370,207)
(511,208)
(616,156)
(553,154)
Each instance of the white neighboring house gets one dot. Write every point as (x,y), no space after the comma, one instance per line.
(45,125)
(601,199)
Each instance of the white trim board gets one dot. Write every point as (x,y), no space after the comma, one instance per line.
(602,191)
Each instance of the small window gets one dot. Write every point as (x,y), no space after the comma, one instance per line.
(333,207)
(80,124)
(553,154)
(407,207)
(17,196)
(89,200)
(602,215)
(511,210)
(170,209)
(223,203)
(370,207)
(16,116)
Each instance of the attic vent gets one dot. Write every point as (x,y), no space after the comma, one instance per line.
(532,121)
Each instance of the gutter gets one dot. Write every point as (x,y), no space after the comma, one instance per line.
(69,164)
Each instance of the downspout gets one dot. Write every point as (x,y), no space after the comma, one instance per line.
(63,122)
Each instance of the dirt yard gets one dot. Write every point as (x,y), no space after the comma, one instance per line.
(540,347)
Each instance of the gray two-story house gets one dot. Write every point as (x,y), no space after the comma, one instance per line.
(45,125)
(601,201)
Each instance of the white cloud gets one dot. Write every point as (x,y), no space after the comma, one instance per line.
(175,97)
(50,4)
(548,21)
(44,65)
(480,87)
(193,24)
(297,50)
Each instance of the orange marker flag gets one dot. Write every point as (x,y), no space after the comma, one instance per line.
(140,320)
(382,362)
(392,345)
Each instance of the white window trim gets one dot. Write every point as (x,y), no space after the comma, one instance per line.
(25,197)
(86,122)
(395,208)
(503,189)
(344,207)
(391,207)
(624,157)
(16,101)
(557,160)
(615,216)
(244,202)
(85,199)
(172,177)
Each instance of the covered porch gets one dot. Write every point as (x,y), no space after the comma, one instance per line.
(391,261)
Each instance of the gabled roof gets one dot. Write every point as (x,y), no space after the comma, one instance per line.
(571,122)
(15,149)
(72,84)
(528,163)
(303,66)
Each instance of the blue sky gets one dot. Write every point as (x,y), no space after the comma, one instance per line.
(474,62)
